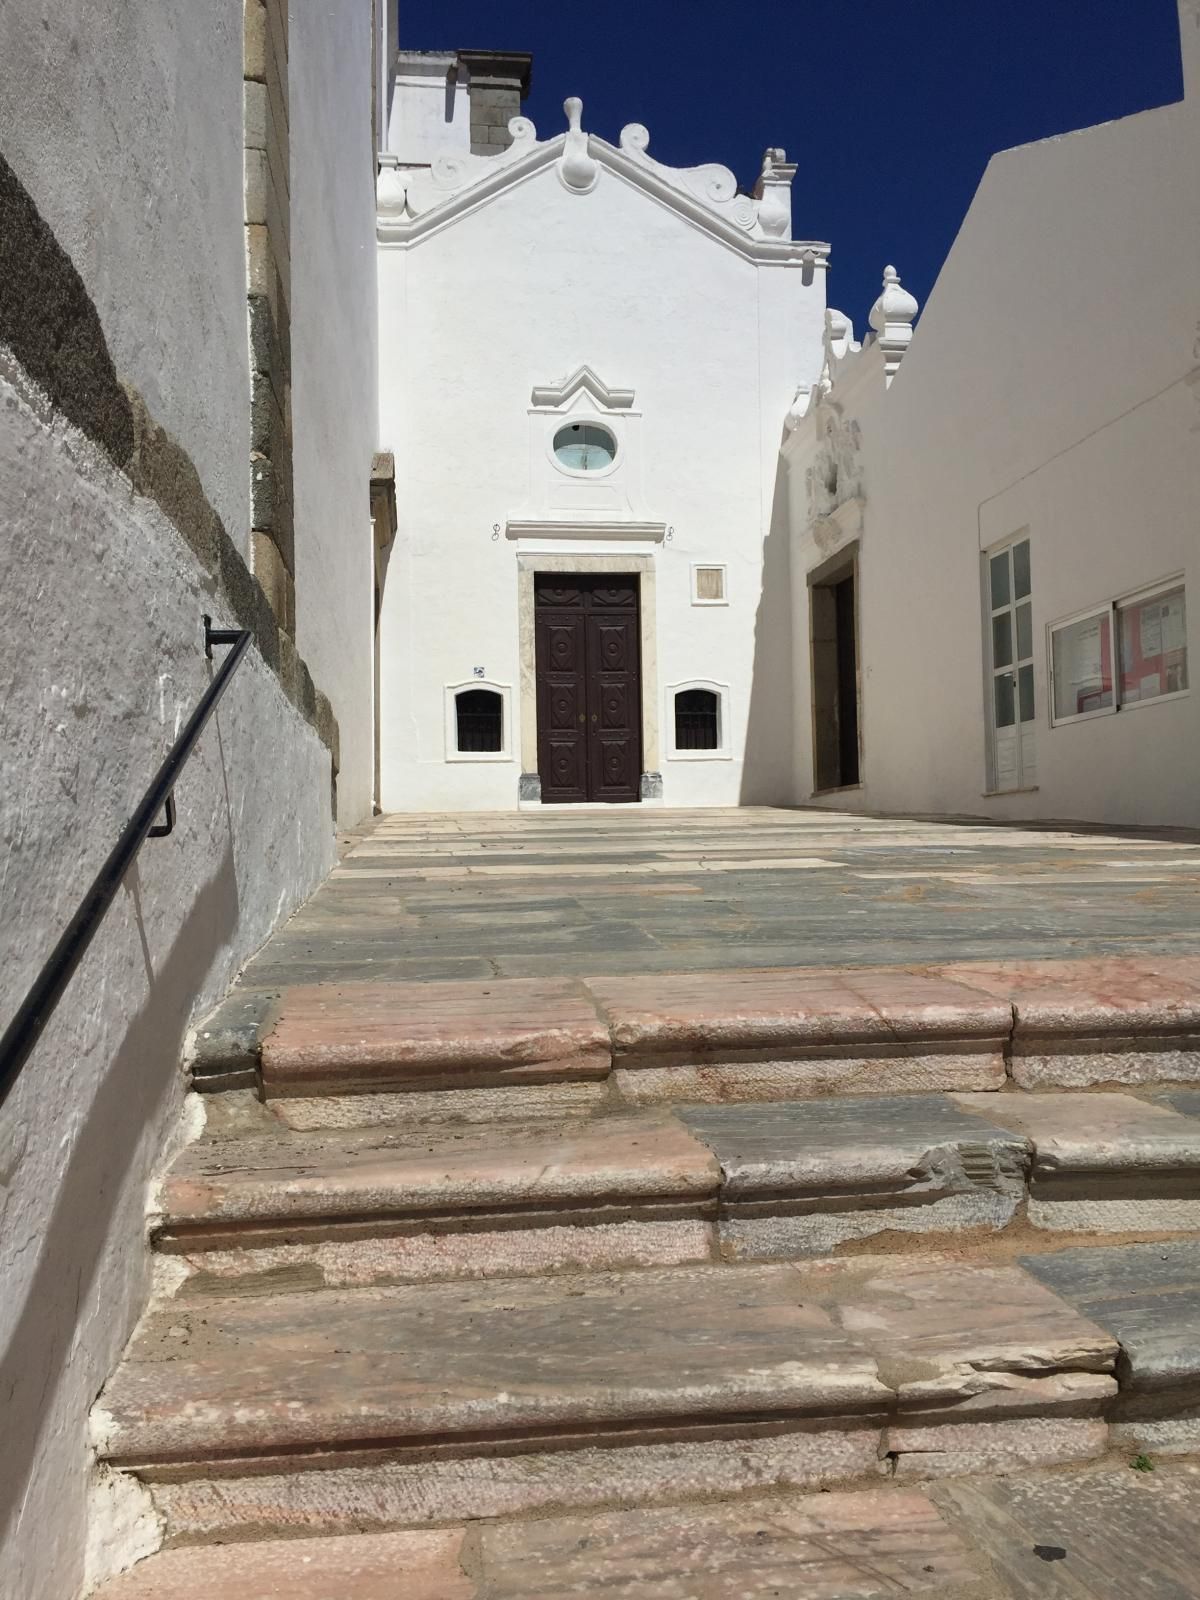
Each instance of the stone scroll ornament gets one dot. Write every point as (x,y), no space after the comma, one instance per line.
(412,191)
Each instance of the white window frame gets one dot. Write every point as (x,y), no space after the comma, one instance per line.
(452,692)
(718,566)
(722,752)
(1027,780)
(1136,598)
(1108,609)
(1112,609)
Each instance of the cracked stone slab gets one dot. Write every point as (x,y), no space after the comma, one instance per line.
(420,1565)
(218,1187)
(801,1178)
(1104,1137)
(340,1037)
(1083,1536)
(1148,1297)
(824,1153)
(1106,1019)
(1103,1162)
(952,1449)
(519,1359)
(830,1547)
(960,1338)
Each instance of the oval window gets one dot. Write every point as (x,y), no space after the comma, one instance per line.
(584,447)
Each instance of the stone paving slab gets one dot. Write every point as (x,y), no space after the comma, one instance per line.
(1086,1535)
(831,1547)
(955,1338)
(803,1177)
(381,1566)
(855,1546)
(905,1146)
(521,1360)
(871,891)
(1103,1163)
(1083,1536)
(373,1036)
(1149,1296)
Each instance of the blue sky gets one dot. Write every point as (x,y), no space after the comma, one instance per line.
(890,107)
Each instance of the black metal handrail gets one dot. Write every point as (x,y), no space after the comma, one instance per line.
(25,1029)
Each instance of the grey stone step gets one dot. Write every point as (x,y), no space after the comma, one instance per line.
(1148,1296)
(254,1205)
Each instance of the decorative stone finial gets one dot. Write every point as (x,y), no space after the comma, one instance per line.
(892,319)
(773,191)
(577,169)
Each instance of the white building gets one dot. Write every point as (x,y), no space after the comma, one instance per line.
(585,360)
(588,364)
(995,541)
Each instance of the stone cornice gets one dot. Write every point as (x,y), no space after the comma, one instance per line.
(579,528)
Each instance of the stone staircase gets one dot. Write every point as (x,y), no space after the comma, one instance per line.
(539,1288)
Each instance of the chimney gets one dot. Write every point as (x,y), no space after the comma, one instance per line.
(497,82)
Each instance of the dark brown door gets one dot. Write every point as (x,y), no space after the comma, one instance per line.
(589,693)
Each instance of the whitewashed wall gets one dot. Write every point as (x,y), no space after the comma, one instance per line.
(101,661)
(334,370)
(1051,385)
(124,125)
(520,293)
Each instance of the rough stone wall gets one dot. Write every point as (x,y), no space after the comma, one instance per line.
(497,86)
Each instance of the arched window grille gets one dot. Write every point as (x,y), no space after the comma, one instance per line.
(479,715)
(697,724)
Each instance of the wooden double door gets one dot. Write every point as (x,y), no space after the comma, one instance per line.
(589,688)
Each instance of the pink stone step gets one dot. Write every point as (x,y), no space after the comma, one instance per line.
(1106,1019)
(368,1036)
(769,1034)
(784,1033)
(224,1188)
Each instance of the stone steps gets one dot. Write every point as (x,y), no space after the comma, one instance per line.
(564,1249)
(769,1034)
(1098,1535)
(254,1205)
(417,1406)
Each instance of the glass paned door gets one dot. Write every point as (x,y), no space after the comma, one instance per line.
(1010,667)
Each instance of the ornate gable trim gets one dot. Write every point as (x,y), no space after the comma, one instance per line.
(415,202)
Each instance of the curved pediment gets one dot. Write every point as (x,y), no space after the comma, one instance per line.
(414,202)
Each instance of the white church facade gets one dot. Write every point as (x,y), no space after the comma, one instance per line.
(670,534)
(586,357)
